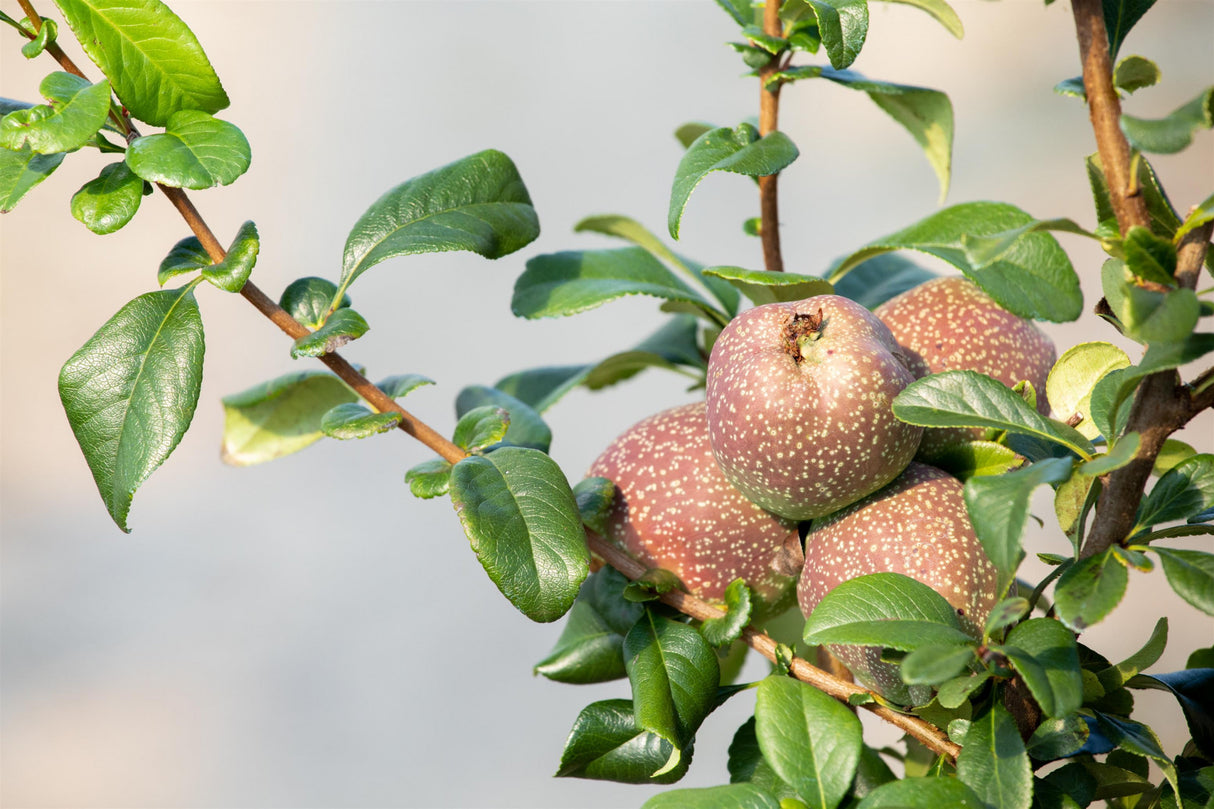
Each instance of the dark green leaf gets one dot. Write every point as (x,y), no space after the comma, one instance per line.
(1174,132)
(923,793)
(762,287)
(1119,17)
(187,256)
(342,326)
(998,506)
(594,498)
(626,365)
(968,459)
(480,428)
(1184,490)
(590,648)
(874,281)
(843,26)
(1134,73)
(1058,738)
(352,420)
(108,202)
(932,665)
(1194,690)
(994,763)
(1033,277)
(430,478)
(527,429)
(1071,781)
(150,56)
(902,635)
(279,417)
(881,597)
(955,692)
(746,763)
(674,675)
(739,151)
(725,630)
(811,741)
(76,111)
(971,399)
(1043,651)
(403,384)
(607,745)
(1122,453)
(520,516)
(48,32)
(231,274)
(1191,574)
(131,390)
(21,171)
(195,151)
(307,300)
(730,796)
(543,387)
(1138,739)
(1089,590)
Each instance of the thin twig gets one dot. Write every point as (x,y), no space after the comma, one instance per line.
(769,114)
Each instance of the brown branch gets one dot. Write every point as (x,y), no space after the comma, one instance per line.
(769,114)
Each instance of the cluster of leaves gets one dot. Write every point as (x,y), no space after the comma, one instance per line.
(526,522)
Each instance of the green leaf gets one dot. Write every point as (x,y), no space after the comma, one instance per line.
(400,385)
(1089,590)
(279,417)
(1119,17)
(566,283)
(48,32)
(1156,317)
(998,506)
(108,202)
(307,300)
(481,427)
(1114,389)
(1058,738)
(76,111)
(747,765)
(729,796)
(342,326)
(231,274)
(811,741)
(187,256)
(626,365)
(1174,132)
(1116,676)
(595,497)
(932,665)
(916,614)
(429,479)
(131,390)
(762,287)
(739,151)
(941,11)
(742,11)
(994,763)
(1164,220)
(606,744)
(1135,73)
(1051,646)
(195,151)
(1006,613)
(1191,574)
(968,459)
(651,585)
(520,516)
(674,675)
(725,630)
(352,420)
(541,388)
(955,692)
(1192,688)
(1069,385)
(971,399)
(590,648)
(1122,453)
(842,24)
(1201,213)
(688,132)
(20,172)
(1032,278)
(1135,737)
(1184,490)
(874,281)
(477,204)
(904,636)
(922,793)
(527,429)
(149,55)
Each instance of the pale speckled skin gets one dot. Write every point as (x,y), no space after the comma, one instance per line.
(803,439)
(916,526)
(949,324)
(675,510)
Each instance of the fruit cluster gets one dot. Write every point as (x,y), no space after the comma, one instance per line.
(798,426)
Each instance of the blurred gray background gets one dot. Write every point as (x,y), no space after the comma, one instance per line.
(305,633)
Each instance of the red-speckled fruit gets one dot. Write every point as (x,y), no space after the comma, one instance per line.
(916,526)
(799,405)
(949,324)
(674,509)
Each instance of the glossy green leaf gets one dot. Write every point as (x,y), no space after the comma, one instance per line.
(968,459)
(77,109)
(481,427)
(729,796)
(607,745)
(747,765)
(20,172)
(1089,590)
(923,792)
(48,32)
(526,429)
(477,204)
(674,675)
(149,55)
(762,287)
(1044,653)
(108,202)
(188,256)
(874,281)
(131,390)
(279,417)
(1033,277)
(520,516)
(195,151)
(343,326)
(902,635)
(595,496)
(1184,490)
(352,420)
(994,763)
(1174,132)
(1191,574)
(738,151)
(307,300)
(430,478)
(591,646)
(1070,382)
(842,25)
(231,274)
(865,602)
(1058,738)
(932,665)
(811,741)
(725,630)
(971,399)
(651,585)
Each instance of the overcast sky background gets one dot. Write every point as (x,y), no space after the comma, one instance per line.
(305,633)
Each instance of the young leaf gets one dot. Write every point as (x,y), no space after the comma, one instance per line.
(478,204)
(187,256)
(739,151)
(1122,453)
(971,399)
(526,429)
(279,417)
(520,516)
(994,763)
(76,111)
(1033,277)
(725,630)
(591,646)
(342,326)
(765,287)
(20,171)
(999,509)
(607,744)
(481,427)
(923,792)
(874,281)
(108,202)
(195,151)
(430,478)
(1150,257)
(730,796)
(131,390)
(231,274)
(1174,132)
(154,76)
(842,24)
(1070,382)
(811,741)
(1135,73)
(1186,489)
(1089,590)
(595,497)
(352,420)
(48,32)
(307,300)
(1043,651)
(1191,574)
